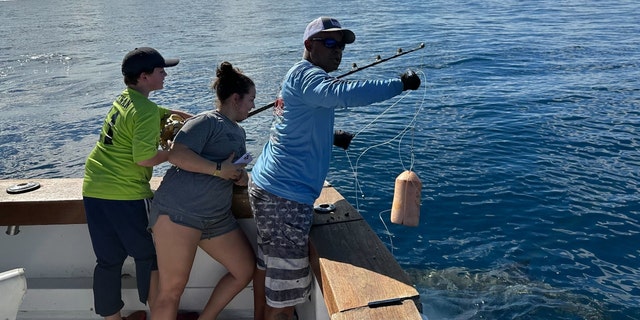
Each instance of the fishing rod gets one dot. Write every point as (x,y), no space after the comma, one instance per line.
(354,69)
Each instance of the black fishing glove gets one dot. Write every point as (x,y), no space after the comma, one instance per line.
(342,139)
(410,80)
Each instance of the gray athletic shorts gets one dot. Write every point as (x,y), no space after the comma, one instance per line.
(210,226)
(283,246)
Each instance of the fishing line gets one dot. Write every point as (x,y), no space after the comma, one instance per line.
(409,128)
(386,228)
(355,169)
(412,128)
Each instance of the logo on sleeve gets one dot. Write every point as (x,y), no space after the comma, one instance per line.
(278,107)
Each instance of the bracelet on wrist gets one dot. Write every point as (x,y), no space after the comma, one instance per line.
(216,172)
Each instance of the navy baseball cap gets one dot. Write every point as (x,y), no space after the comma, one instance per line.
(145,59)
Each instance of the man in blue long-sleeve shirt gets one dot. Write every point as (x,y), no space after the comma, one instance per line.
(289,173)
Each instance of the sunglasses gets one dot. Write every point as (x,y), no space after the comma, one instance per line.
(330,43)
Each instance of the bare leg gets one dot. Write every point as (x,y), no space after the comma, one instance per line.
(259,300)
(176,248)
(115,316)
(234,252)
(262,311)
(272,313)
(153,288)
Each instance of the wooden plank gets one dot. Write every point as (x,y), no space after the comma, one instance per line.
(355,269)
(402,310)
(59,201)
(343,210)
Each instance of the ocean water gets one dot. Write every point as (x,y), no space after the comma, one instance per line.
(525,134)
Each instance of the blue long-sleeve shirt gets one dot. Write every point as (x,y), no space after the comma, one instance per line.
(295,160)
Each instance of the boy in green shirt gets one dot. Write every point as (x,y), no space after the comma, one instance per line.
(116,190)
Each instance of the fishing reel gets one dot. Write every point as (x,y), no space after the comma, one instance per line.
(170,127)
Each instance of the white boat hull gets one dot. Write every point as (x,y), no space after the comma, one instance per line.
(58,261)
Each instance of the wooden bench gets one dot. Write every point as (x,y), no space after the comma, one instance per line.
(359,277)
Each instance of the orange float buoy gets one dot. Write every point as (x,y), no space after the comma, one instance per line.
(405,209)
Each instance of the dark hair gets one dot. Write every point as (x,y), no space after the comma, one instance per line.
(131,79)
(230,80)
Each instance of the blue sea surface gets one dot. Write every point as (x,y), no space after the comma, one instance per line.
(525,133)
